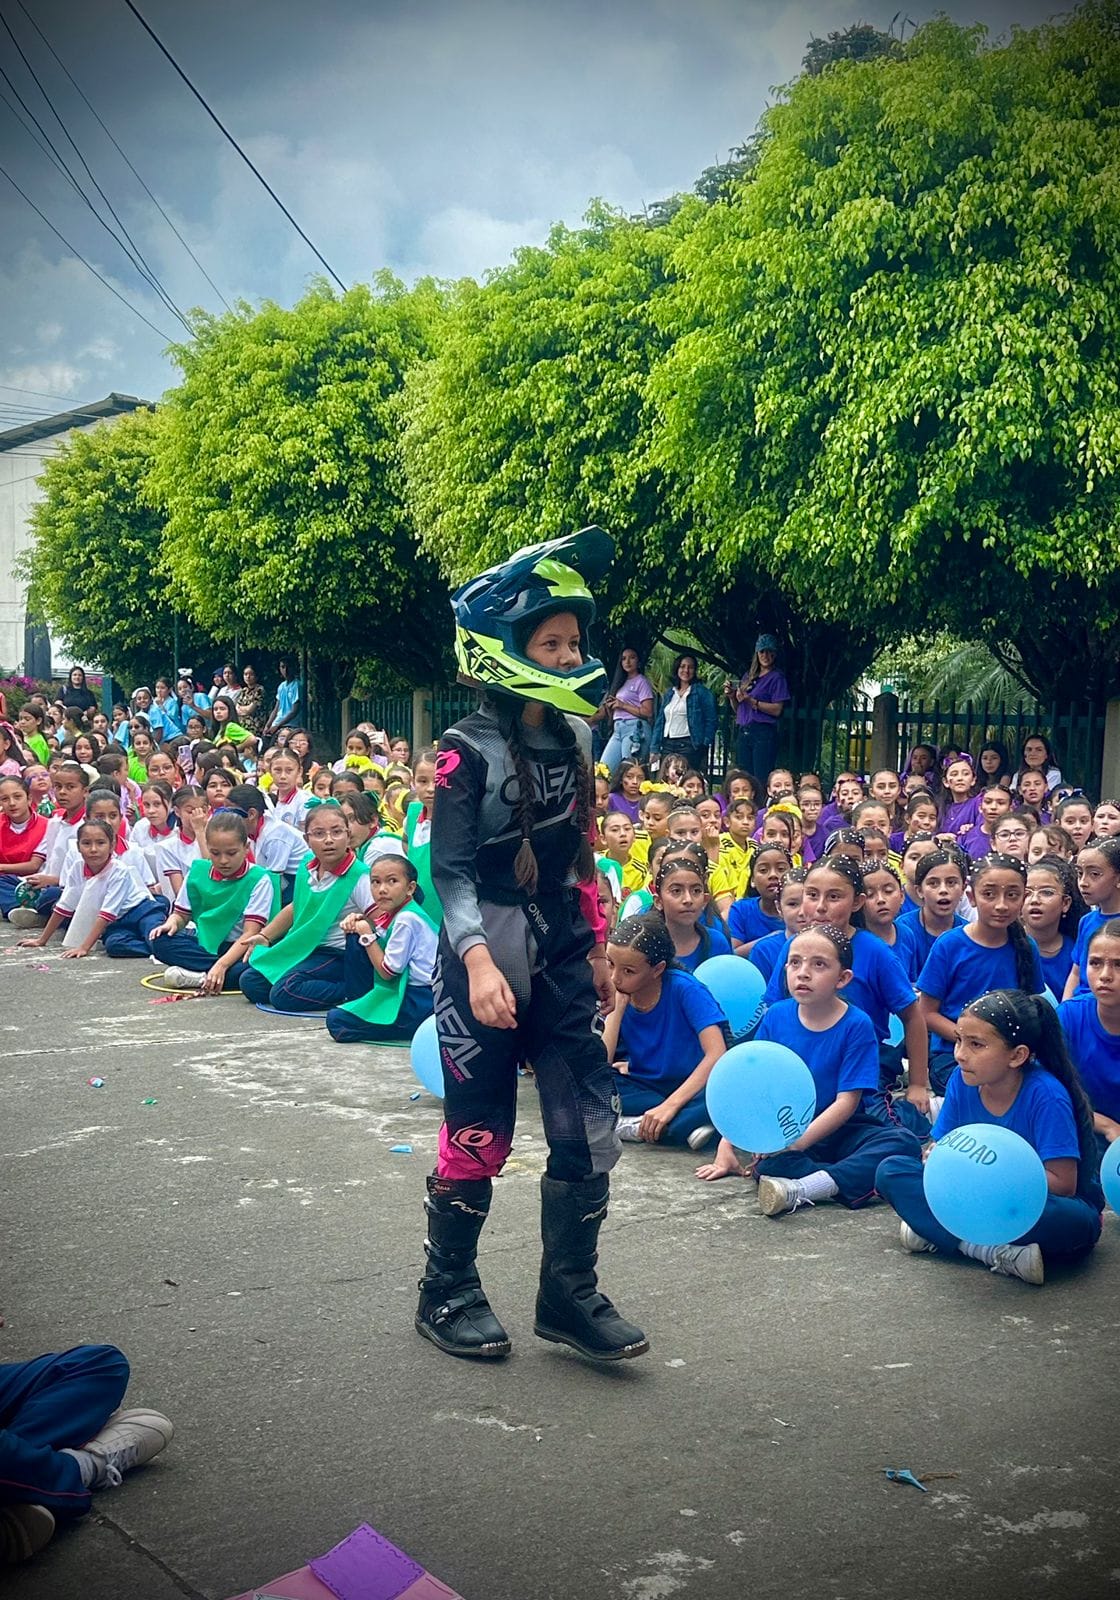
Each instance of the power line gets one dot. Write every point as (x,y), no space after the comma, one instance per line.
(108,134)
(44,394)
(75,252)
(261,179)
(132,249)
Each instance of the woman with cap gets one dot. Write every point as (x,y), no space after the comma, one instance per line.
(759,700)
(522,970)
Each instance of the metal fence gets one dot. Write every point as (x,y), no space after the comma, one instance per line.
(392,712)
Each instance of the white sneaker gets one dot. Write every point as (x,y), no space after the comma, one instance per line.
(776,1196)
(699,1137)
(24,1530)
(914,1242)
(25,917)
(1022,1261)
(128,1439)
(180,978)
(628,1130)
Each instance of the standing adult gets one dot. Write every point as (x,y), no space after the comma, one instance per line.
(289,693)
(630,702)
(78,696)
(759,700)
(226,683)
(191,701)
(686,723)
(250,700)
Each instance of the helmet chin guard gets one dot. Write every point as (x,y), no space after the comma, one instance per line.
(496,613)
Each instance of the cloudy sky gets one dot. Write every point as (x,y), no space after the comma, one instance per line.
(421,135)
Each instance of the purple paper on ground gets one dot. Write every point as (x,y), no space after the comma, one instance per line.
(366,1567)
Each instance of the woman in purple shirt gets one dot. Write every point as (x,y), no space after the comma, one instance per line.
(761,697)
(630,702)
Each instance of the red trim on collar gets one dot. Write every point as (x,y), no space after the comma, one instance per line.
(217,877)
(340,871)
(79,815)
(86,873)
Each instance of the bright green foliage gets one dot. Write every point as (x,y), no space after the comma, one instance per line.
(280,470)
(94,569)
(895,378)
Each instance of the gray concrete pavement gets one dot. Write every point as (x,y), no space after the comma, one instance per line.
(253,1246)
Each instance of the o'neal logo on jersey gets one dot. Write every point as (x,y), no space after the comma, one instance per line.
(554,787)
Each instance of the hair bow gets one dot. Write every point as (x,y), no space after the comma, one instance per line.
(327,800)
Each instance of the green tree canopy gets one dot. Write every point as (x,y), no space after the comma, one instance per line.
(95,567)
(894,376)
(533,420)
(279,467)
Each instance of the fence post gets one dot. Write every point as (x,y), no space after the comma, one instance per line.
(421,719)
(347,716)
(1110,762)
(884,732)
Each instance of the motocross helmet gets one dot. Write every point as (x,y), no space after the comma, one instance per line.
(497,612)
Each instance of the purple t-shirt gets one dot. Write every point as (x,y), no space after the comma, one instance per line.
(619,802)
(960,816)
(771,686)
(631,695)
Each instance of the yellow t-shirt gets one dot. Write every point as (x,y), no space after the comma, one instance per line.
(734,864)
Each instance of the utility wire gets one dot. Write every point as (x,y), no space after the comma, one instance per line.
(261,179)
(108,134)
(132,250)
(75,252)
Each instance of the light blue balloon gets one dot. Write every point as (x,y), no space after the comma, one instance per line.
(985,1184)
(1051,999)
(896,1033)
(425,1058)
(1110,1175)
(737,986)
(761,1096)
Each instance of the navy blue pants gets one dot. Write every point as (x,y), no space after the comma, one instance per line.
(183,950)
(9,886)
(316,984)
(416,1005)
(942,1062)
(756,748)
(128,936)
(51,1404)
(636,1097)
(851,1156)
(1068,1227)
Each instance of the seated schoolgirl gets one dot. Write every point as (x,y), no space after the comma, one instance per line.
(873,816)
(756,915)
(838,1154)
(886,787)
(695,785)
(882,903)
(668,1029)
(1052,913)
(653,818)
(1075,815)
(289,799)
(1091,1024)
(602,797)
(921,816)
(844,842)
(322,784)
(710,812)
(780,825)
(877,847)
(627,792)
(768,951)
(40,789)
(684,825)
(642,899)
(680,894)
(102,897)
(920,845)
(1013,1070)
(1011,835)
(994,952)
(736,852)
(847,792)
(1052,840)
(176,854)
(960,804)
(362,820)
(13,757)
(939,882)
(1106,820)
(1034,793)
(22,833)
(274,845)
(1098,880)
(810,803)
(878,985)
(71,785)
(297,962)
(31,722)
(228,899)
(390,959)
(618,841)
(154,826)
(418,832)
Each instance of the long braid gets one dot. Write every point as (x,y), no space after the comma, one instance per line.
(525,868)
(1026,975)
(584,863)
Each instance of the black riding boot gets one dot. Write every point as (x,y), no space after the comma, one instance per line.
(570,1308)
(454,1312)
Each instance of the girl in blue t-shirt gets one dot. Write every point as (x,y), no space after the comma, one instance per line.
(939,880)
(1091,1024)
(767,952)
(670,1030)
(1098,879)
(680,894)
(1013,1071)
(878,985)
(917,846)
(1052,913)
(756,915)
(839,1152)
(994,952)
